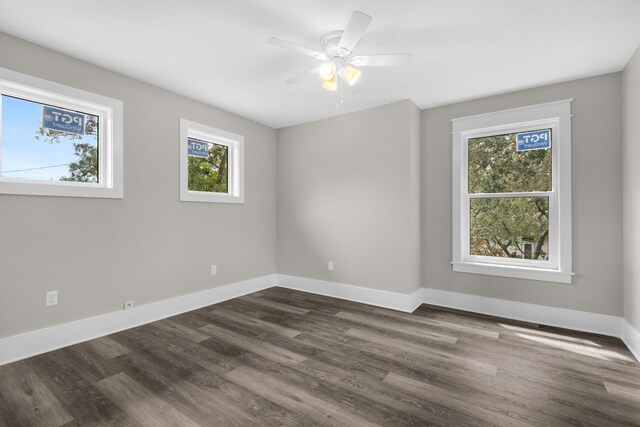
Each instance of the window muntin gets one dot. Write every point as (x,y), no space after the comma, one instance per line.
(89,154)
(211,164)
(31,151)
(536,242)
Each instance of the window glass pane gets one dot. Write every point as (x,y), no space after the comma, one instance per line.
(510,227)
(496,166)
(208,166)
(43,142)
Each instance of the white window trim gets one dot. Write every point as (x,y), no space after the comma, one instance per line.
(110,148)
(554,115)
(235,142)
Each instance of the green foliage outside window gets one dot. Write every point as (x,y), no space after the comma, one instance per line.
(210,174)
(501,226)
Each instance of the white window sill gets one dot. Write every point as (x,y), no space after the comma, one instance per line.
(201,196)
(528,273)
(59,189)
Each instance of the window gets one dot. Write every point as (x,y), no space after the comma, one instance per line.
(528,250)
(58,141)
(211,164)
(512,193)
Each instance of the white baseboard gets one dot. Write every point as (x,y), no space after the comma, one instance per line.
(396,301)
(552,316)
(631,337)
(31,343)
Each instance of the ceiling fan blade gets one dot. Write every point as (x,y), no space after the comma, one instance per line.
(388,60)
(300,77)
(300,49)
(355,28)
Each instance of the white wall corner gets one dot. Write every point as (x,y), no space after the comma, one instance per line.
(36,342)
(631,337)
(396,301)
(552,316)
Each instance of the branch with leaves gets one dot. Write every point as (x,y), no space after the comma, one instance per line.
(85,169)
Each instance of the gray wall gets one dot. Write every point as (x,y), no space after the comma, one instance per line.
(348,191)
(631,190)
(149,246)
(370,191)
(597,199)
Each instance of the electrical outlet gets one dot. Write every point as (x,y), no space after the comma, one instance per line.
(128,305)
(52,298)
(330,266)
(214,270)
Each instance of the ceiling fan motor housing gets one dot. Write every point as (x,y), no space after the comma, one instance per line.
(330,42)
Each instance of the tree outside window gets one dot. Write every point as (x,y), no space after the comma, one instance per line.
(509,225)
(211,173)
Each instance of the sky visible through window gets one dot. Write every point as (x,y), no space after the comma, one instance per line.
(25,156)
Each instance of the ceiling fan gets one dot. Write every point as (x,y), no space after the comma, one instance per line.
(338,62)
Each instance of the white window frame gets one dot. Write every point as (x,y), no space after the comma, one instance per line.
(110,146)
(235,144)
(555,116)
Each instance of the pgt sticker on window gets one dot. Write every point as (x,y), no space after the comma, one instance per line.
(62,120)
(198,148)
(535,140)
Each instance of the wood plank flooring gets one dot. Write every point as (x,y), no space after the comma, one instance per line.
(286,358)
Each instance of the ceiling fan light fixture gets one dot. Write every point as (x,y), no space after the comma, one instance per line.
(351,74)
(327,71)
(338,65)
(332,84)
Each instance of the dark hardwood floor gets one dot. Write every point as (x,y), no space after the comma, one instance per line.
(281,357)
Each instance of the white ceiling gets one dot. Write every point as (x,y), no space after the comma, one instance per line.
(216,51)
